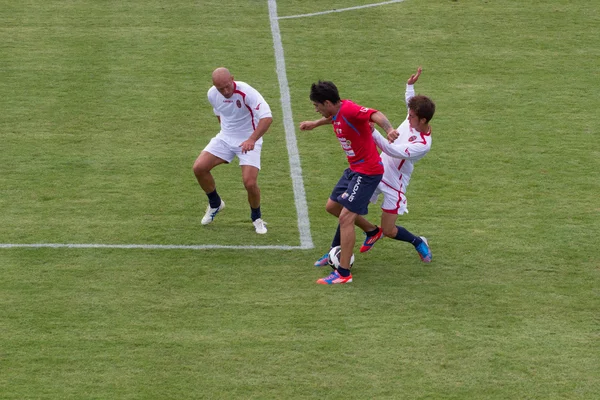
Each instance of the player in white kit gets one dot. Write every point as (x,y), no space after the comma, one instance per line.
(412,144)
(245,117)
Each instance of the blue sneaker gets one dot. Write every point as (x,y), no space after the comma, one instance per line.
(323,261)
(424,251)
(334,278)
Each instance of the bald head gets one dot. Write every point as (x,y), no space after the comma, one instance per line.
(223,81)
(221,76)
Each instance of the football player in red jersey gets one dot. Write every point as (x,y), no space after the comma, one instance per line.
(350,197)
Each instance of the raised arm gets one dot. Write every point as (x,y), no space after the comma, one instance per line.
(410,89)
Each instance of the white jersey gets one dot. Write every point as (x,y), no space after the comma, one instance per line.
(240,113)
(399,157)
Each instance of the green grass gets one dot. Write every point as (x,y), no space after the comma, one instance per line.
(104,111)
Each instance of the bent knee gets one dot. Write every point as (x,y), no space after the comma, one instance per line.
(389,233)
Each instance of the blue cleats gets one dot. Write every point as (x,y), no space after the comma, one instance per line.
(424,251)
(323,261)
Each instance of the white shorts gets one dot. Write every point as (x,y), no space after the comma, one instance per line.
(394,201)
(220,148)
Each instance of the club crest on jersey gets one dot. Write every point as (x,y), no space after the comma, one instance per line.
(238,104)
(412,138)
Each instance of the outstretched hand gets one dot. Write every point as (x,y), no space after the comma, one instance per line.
(414,77)
(307,125)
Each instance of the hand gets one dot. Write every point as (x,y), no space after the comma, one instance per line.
(247,145)
(414,77)
(308,125)
(392,135)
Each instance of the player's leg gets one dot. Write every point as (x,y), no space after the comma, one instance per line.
(372,232)
(250,165)
(214,153)
(202,167)
(355,201)
(342,274)
(334,208)
(250,180)
(397,232)
(348,237)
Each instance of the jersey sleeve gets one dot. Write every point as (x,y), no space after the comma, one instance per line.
(403,150)
(211,99)
(257,103)
(409,93)
(359,113)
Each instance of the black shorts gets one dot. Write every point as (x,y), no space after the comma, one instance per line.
(354,190)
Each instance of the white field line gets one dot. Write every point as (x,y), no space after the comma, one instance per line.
(290,136)
(340,10)
(146,246)
(295,172)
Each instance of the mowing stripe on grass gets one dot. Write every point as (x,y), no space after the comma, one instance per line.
(338,10)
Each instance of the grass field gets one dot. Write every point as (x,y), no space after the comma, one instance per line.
(103,112)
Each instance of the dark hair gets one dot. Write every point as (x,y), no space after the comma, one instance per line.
(322,91)
(422,106)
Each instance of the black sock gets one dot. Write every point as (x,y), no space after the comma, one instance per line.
(343,271)
(337,239)
(406,236)
(255,213)
(214,200)
(373,232)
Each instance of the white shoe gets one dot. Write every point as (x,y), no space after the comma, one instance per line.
(211,212)
(260,226)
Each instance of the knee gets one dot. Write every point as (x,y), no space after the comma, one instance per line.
(334,208)
(251,185)
(331,208)
(199,168)
(389,232)
(347,219)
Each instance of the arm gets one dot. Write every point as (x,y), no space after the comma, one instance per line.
(410,89)
(406,151)
(380,119)
(310,125)
(261,129)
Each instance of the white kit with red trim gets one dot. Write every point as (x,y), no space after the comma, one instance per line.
(239,114)
(399,157)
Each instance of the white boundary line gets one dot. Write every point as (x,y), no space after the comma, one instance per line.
(145,246)
(290,136)
(340,10)
(295,173)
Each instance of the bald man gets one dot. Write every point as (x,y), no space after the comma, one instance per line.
(245,117)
